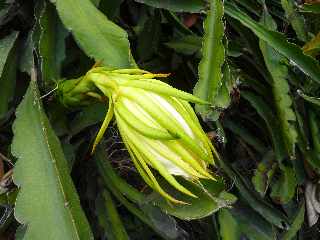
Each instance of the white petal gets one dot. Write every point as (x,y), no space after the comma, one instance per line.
(140,113)
(171,167)
(168,107)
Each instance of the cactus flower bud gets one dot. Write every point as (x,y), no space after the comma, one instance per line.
(157,125)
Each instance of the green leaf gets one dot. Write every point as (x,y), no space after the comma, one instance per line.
(26,61)
(266,210)
(252,225)
(296,20)
(250,5)
(187,45)
(312,8)
(103,218)
(280,87)
(296,224)
(312,154)
(223,98)
(89,116)
(264,173)
(276,40)
(248,41)
(117,228)
(47,203)
(51,45)
(26,57)
(98,37)
(313,46)
(229,228)
(284,188)
(7,70)
(176,5)
(315,133)
(177,23)
(210,198)
(165,225)
(245,135)
(259,180)
(7,11)
(314,100)
(110,8)
(149,37)
(265,111)
(210,67)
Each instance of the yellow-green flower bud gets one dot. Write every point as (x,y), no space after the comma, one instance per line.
(76,92)
(156,122)
(157,125)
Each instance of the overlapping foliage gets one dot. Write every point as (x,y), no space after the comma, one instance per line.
(255,62)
